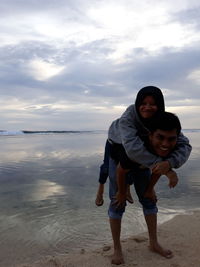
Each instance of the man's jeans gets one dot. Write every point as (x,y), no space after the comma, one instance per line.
(140,178)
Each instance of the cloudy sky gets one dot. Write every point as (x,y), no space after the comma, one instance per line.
(77,64)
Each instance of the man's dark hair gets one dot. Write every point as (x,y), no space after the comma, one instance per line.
(166,121)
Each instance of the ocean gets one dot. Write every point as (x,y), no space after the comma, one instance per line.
(48,187)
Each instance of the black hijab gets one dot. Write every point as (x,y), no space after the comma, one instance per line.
(156,93)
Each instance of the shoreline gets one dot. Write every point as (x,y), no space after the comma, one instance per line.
(180,234)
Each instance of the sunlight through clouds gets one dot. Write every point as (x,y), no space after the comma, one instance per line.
(195,76)
(152,31)
(42,70)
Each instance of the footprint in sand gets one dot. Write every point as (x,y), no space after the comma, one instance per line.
(140,239)
(106,248)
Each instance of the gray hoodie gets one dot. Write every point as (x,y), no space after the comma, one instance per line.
(129,131)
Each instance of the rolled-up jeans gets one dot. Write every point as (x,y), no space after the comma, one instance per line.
(140,178)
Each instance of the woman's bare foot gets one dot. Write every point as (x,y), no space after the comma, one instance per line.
(117,257)
(128,195)
(99,200)
(129,198)
(163,252)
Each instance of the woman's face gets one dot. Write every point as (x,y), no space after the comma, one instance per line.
(148,108)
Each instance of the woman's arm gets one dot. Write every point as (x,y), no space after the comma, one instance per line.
(130,131)
(181,152)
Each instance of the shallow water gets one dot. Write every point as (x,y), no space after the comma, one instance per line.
(48,187)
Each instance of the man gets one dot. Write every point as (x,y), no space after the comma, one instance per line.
(162,140)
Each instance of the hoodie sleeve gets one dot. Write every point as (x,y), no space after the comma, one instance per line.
(136,150)
(134,146)
(182,152)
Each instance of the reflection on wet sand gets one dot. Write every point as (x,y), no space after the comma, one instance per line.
(48,187)
(44,189)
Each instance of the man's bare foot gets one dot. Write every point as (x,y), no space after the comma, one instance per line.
(99,200)
(163,252)
(117,257)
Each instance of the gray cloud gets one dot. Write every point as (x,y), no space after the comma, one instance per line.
(101,78)
(189,16)
(90,75)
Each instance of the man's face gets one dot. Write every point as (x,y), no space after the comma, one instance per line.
(163,142)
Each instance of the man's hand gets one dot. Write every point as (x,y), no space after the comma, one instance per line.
(120,201)
(161,168)
(173,178)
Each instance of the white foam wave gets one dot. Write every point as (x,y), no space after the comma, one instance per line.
(11,133)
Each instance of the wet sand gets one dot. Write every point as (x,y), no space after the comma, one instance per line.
(41,176)
(181,235)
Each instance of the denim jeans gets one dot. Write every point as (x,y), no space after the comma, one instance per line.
(104,168)
(140,178)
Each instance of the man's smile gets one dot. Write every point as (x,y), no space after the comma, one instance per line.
(164,148)
(163,142)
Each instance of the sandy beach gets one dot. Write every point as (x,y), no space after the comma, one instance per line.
(181,235)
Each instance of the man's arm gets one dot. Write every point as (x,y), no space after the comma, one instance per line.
(121,184)
(173,180)
(150,193)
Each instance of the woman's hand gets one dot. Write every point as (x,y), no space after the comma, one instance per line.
(161,168)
